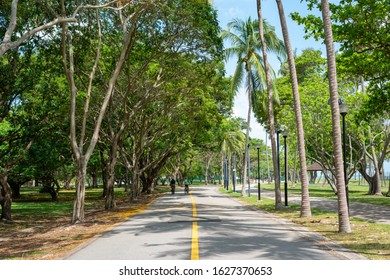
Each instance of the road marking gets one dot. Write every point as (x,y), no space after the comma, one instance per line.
(195,241)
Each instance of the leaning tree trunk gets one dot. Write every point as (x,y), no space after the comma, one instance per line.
(305,199)
(377,188)
(278,194)
(344,224)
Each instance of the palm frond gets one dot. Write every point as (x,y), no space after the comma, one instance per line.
(237,77)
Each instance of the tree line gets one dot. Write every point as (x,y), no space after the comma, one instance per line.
(137,90)
(116,84)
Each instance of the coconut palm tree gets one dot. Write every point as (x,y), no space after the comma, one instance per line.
(245,45)
(305,199)
(233,139)
(271,118)
(344,224)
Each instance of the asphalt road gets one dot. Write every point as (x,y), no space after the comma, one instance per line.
(207,225)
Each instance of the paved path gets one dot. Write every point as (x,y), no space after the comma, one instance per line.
(375,213)
(215,227)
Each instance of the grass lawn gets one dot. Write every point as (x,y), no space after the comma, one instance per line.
(42,229)
(356,193)
(368,238)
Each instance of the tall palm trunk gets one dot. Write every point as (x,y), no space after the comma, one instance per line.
(344,225)
(278,195)
(266,154)
(243,190)
(305,199)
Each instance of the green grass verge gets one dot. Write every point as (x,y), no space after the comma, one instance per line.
(368,238)
(356,192)
(33,205)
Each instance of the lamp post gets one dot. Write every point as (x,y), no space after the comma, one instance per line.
(258,173)
(343,112)
(277,154)
(227,173)
(249,172)
(224,172)
(234,171)
(243,166)
(285,133)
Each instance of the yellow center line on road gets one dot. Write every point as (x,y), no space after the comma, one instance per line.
(195,241)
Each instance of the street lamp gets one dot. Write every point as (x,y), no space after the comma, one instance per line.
(277,154)
(227,173)
(285,133)
(249,172)
(234,171)
(224,172)
(258,173)
(343,112)
(243,166)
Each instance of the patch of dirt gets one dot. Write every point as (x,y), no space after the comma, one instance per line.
(53,239)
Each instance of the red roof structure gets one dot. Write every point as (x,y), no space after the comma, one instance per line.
(315,167)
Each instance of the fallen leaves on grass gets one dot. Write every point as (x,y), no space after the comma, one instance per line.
(52,239)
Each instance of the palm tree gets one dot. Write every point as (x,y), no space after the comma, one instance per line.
(271,118)
(305,199)
(344,225)
(245,44)
(232,139)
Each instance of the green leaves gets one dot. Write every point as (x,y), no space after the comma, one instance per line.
(362,28)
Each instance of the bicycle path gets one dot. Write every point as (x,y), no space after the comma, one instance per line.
(208,225)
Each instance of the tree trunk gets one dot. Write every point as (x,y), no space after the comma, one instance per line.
(110,197)
(245,165)
(78,206)
(208,162)
(135,184)
(105,177)
(305,199)
(112,161)
(344,224)
(68,59)
(376,180)
(313,177)
(278,194)
(373,181)
(266,154)
(294,175)
(15,188)
(95,177)
(67,181)
(5,198)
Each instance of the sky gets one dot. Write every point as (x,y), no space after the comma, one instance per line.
(231,9)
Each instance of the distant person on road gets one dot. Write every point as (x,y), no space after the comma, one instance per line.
(173,182)
(186,187)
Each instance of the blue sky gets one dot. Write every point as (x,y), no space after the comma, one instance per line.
(230,9)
